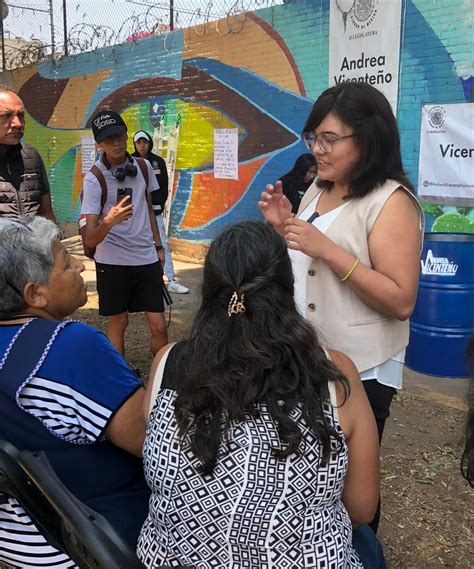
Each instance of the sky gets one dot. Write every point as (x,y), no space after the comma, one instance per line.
(30,19)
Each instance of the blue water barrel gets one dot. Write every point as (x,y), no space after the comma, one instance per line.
(443,319)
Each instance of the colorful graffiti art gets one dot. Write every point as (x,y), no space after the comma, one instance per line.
(259,74)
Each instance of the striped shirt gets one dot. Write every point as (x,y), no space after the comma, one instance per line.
(76,391)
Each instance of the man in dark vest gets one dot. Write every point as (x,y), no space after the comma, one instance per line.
(24,186)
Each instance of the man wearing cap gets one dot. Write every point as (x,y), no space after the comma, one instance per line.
(125,233)
(24,186)
(143,144)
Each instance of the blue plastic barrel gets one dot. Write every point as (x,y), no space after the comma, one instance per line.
(443,319)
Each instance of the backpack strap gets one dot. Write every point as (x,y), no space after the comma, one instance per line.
(103,185)
(143,168)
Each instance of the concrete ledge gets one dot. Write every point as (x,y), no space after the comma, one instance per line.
(185,251)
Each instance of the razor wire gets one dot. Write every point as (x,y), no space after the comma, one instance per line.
(36,30)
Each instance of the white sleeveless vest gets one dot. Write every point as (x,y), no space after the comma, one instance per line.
(342,320)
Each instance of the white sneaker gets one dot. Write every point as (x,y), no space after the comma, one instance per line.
(176,287)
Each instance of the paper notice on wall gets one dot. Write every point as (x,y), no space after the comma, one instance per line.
(226,159)
(364,44)
(446,170)
(88,153)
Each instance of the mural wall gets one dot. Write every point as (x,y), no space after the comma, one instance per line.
(259,73)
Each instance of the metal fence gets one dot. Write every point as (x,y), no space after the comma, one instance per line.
(32,30)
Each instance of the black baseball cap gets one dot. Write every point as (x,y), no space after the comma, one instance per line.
(107,123)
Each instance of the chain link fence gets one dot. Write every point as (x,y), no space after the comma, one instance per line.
(33,30)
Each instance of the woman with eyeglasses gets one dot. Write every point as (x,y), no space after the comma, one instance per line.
(356,239)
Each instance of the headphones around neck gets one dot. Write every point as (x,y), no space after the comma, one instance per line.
(121,172)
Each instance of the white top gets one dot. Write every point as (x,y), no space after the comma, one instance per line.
(390,372)
(129,243)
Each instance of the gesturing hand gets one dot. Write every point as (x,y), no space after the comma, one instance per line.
(274,205)
(303,236)
(120,212)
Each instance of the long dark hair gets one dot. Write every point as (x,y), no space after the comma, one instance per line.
(368,112)
(269,354)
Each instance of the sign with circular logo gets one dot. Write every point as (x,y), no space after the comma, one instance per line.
(363,13)
(436,116)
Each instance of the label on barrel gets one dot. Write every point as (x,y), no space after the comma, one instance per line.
(438,265)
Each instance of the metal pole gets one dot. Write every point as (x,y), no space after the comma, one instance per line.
(51,19)
(66,45)
(171,15)
(3,41)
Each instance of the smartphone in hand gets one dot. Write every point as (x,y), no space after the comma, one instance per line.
(122,192)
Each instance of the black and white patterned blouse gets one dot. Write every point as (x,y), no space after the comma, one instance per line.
(255,511)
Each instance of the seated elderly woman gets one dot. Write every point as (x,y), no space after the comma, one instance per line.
(65,390)
(261,450)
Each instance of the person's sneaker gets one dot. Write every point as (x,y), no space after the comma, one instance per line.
(176,287)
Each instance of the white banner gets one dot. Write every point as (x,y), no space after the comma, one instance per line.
(446,170)
(226,150)
(364,44)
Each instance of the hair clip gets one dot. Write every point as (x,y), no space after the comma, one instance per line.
(236,306)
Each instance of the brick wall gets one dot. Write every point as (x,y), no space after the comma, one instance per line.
(259,73)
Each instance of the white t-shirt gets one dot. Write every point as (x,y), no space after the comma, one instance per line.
(388,373)
(128,243)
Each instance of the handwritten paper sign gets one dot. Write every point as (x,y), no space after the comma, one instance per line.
(88,153)
(226,159)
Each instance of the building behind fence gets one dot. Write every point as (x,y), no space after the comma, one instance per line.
(34,30)
(258,72)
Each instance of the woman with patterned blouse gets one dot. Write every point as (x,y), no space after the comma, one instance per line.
(260,448)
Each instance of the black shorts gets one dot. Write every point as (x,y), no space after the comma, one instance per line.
(129,289)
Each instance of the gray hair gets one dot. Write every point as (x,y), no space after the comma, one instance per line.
(7,89)
(26,256)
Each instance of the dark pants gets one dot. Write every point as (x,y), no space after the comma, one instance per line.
(380,397)
(368,547)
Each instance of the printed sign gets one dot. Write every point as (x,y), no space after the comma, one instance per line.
(446,170)
(87,152)
(438,265)
(364,44)
(226,158)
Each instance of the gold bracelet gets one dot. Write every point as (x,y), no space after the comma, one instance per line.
(351,270)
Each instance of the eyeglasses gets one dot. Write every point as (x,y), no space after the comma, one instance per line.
(324,139)
(19,224)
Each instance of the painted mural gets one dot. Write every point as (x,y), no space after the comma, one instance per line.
(259,73)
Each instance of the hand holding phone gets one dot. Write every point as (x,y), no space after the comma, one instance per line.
(122,192)
(123,210)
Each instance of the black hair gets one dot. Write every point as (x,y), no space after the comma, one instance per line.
(270,354)
(367,111)
(301,166)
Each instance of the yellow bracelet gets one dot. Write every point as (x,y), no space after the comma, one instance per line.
(351,270)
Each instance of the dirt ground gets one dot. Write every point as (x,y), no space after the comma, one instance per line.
(427,507)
